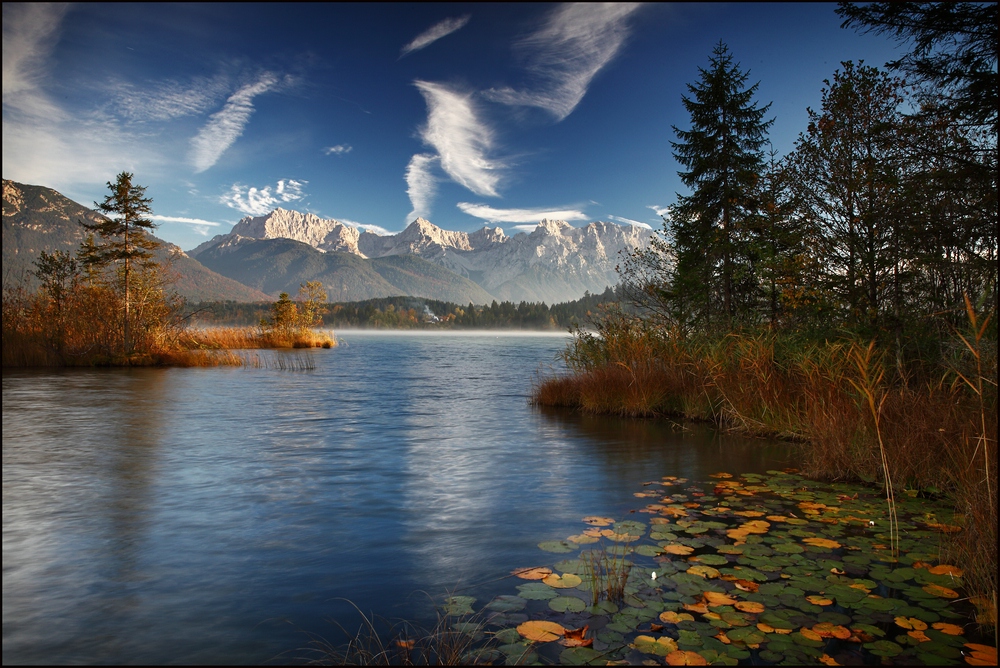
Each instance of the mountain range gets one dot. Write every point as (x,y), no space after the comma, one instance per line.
(263,256)
(554,263)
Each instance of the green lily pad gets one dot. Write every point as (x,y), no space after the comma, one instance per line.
(567,604)
(581,656)
(536,591)
(459,605)
(507,604)
(558,546)
(883,648)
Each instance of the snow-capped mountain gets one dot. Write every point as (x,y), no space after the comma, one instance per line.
(555,262)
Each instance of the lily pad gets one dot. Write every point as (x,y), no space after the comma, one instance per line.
(558,546)
(459,605)
(581,656)
(567,604)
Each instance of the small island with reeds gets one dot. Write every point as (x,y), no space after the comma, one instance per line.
(109,304)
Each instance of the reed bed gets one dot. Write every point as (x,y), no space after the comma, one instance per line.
(860,415)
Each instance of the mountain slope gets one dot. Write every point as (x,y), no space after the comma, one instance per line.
(282,265)
(36,218)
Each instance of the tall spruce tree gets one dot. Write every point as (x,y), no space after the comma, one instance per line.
(124,241)
(724,159)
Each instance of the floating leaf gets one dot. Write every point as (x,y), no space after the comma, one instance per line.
(582,539)
(659,646)
(828,630)
(558,546)
(945,569)
(579,656)
(576,638)
(746,585)
(910,623)
(567,604)
(721,475)
(810,634)
(828,660)
(565,581)
(536,573)
(982,655)
(819,600)
(459,605)
(541,631)
(685,658)
(942,592)
(944,528)
(948,629)
(595,521)
(718,598)
(700,608)
(507,603)
(883,648)
(750,606)
(919,636)
(821,542)
(703,571)
(680,550)
(671,617)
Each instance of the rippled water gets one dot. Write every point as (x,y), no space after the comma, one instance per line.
(215,515)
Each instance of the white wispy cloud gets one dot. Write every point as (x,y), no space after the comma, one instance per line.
(374,229)
(199,226)
(170,99)
(660,210)
(494,215)
(42,141)
(188,221)
(629,221)
(421,185)
(339,149)
(461,140)
(226,125)
(434,33)
(565,55)
(259,201)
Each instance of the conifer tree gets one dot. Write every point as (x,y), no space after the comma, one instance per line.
(723,156)
(123,236)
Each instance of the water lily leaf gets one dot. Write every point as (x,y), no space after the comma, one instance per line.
(507,603)
(518,654)
(788,548)
(910,623)
(711,559)
(459,605)
(717,598)
(883,648)
(828,660)
(671,617)
(535,573)
(821,542)
(750,606)
(949,629)
(558,546)
(541,631)
(658,646)
(819,600)
(942,592)
(680,550)
(595,521)
(576,637)
(721,475)
(567,604)
(565,581)
(648,550)
(536,591)
(703,571)
(581,656)
(685,658)
(945,569)
(582,539)
(828,630)
(808,638)
(982,655)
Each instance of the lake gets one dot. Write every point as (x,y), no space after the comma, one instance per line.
(217,515)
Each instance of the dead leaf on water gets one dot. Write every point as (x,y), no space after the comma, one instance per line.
(541,631)
(535,573)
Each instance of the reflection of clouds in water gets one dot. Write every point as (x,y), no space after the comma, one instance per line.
(463,452)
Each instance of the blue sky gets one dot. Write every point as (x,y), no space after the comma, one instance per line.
(374,114)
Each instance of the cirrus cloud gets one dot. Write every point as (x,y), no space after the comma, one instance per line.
(494,215)
(225,126)
(434,33)
(565,55)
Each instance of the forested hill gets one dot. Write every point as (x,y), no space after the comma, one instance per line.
(415,313)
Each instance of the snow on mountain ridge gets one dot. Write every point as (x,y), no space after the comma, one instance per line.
(555,262)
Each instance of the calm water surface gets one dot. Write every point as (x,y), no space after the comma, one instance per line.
(215,515)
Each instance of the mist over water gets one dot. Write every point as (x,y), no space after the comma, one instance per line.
(212,515)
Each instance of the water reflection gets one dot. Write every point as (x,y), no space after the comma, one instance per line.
(207,515)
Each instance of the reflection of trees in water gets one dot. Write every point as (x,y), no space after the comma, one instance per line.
(684,449)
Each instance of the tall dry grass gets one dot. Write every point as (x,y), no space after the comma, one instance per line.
(85,329)
(933,426)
